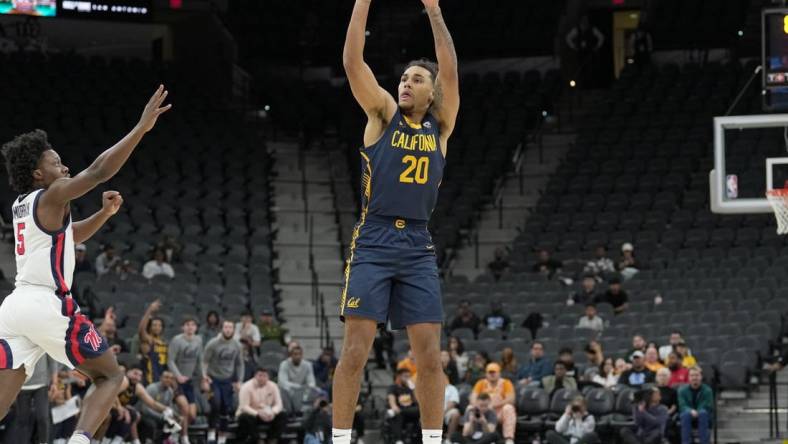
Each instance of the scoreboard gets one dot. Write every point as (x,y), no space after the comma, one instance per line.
(127,10)
(774,46)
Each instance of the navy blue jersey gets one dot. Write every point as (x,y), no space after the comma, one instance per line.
(401,173)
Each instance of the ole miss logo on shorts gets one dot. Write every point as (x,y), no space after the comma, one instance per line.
(93,339)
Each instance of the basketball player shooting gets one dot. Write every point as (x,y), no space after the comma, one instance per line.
(40,316)
(392,272)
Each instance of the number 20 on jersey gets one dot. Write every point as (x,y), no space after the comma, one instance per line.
(416,169)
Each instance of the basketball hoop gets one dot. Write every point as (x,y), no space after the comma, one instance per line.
(778,198)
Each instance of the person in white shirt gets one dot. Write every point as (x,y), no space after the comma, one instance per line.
(107,261)
(157,266)
(591,321)
(451,411)
(576,425)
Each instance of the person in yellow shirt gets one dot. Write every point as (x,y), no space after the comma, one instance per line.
(652,360)
(409,363)
(501,391)
(687,360)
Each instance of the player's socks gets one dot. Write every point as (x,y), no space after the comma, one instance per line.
(80,438)
(431,436)
(341,436)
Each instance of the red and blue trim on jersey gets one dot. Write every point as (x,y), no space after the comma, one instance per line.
(6,358)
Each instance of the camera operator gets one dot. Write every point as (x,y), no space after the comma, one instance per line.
(480,422)
(576,425)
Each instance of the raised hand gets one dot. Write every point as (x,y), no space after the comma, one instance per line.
(429,4)
(111,202)
(154,109)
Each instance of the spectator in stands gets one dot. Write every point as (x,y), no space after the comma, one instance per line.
(107,261)
(409,362)
(317,424)
(260,402)
(171,248)
(508,364)
(465,318)
(585,40)
(457,352)
(591,321)
(638,344)
(640,44)
(575,426)
(595,358)
(650,417)
(499,265)
(451,411)
(184,360)
(664,351)
(567,356)
(638,375)
(496,319)
(110,333)
(384,343)
(81,262)
(296,376)
(652,360)
(601,265)
(501,392)
(403,407)
(606,377)
(270,330)
(59,393)
(679,375)
(213,326)
(546,265)
(246,331)
(224,366)
(153,347)
(615,296)
(537,367)
(559,379)
(130,400)
(324,368)
(628,265)
(164,392)
(157,266)
(669,398)
(586,294)
(687,360)
(477,367)
(31,408)
(696,407)
(479,423)
(450,368)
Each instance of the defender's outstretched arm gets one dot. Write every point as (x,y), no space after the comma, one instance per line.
(448,106)
(375,101)
(108,163)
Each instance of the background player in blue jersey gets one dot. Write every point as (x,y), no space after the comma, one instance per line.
(392,272)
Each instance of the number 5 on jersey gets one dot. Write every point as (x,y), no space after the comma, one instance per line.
(416,170)
(20,237)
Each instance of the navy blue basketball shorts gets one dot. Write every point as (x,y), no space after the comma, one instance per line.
(392,273)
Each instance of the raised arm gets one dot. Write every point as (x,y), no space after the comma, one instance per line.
(448,83)
(376,102)
(86,228)
(108,163)
(142,329)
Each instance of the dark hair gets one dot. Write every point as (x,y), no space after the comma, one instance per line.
(296,347)
(262,370)
(566,351)
(21,158)
(561,363)
(590,304)
(212,313)
(247,313)
(602,366)
(187,319)
(460,345)
(483,396)
(153,319)
(427,64)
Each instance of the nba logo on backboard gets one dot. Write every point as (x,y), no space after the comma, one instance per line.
(732,186)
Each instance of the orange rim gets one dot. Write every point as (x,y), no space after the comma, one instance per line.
(779,192)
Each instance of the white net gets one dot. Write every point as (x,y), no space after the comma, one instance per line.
(778,198)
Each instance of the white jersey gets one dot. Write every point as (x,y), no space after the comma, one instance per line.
(43,258)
